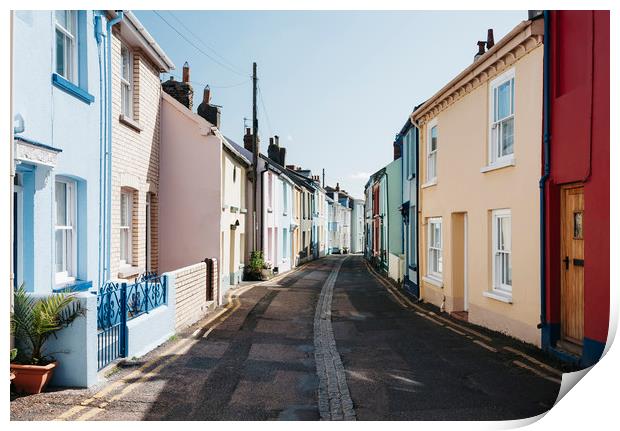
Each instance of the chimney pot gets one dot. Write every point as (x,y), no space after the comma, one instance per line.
(490,39)
(480,52)
(276,139)
(186,72)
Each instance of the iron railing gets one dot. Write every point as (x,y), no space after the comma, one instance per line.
(118,302)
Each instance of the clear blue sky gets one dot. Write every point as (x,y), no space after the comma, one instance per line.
(337,86)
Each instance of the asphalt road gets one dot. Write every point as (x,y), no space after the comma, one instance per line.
(366,354)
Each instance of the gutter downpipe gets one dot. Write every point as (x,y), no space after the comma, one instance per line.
(98,37)
(545,176)
(417,204)
(263,208)
(108,159)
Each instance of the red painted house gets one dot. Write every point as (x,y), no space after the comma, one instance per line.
(575,186)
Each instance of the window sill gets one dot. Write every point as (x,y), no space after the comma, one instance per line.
(72,89)
(130,122)
(498,296)
(128,271)
(243,210)
(429,183)
(74,286)
(499,165)
(434,281)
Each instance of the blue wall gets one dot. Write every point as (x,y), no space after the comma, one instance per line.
(57,117)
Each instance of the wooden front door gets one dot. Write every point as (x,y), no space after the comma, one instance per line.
(572,264)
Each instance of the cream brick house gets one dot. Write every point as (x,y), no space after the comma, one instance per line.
(137,61)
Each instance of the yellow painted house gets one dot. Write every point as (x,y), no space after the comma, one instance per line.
(480,162)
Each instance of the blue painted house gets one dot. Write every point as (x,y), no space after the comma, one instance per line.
(407,144)
(56,150)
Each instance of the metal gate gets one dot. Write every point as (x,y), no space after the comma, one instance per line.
(116,304)
(111,323)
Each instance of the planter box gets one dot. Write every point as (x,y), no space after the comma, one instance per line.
(32,379)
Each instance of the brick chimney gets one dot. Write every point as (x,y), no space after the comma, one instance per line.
(186,72)
(273,150)
(247,140)
(490,39)
(480,52)
(206,110)
(181,91)
(337,187)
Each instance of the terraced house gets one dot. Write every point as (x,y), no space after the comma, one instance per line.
(137,62)
(480,143)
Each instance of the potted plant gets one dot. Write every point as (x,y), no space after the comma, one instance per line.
(34,321)
(252,271)
(266,271)
(13,355)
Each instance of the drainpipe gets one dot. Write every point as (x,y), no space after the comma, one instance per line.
(108,157)
(99,34)
(546,171)
(262,205)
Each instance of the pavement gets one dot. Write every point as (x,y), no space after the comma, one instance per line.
(330,340)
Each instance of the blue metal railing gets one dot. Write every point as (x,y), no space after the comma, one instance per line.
(119,302)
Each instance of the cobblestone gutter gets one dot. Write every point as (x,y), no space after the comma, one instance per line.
(334,399)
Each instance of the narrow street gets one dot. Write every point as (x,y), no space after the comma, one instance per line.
(271,355)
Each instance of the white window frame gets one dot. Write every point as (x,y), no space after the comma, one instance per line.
(429,248)
(495,126)
(67,274)
(126,83)
(431,154)
(70,46)
(499,285)
(127,228)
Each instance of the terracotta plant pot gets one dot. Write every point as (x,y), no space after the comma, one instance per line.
(32,379)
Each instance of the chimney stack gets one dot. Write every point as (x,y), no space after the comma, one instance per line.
(206,110)
(490,39)
(186,72)
(480,52)
(282,156)
(273,152)
(247,140)
(337,187)
(181,91)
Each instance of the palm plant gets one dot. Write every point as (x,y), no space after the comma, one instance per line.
(34,320)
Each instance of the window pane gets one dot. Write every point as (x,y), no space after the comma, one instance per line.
(60,250)
(124,243)
(507,130)
(61,17)
(508,269)
(124,209)
(70,18)
(434,138)
(503,100)
(125,61)
(61,204)
(505,232)
(60,53)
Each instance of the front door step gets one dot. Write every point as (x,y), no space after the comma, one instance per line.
(460,315)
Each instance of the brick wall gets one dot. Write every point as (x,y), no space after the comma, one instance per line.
(191,294)
(135,157)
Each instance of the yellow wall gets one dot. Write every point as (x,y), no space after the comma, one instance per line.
(463,129)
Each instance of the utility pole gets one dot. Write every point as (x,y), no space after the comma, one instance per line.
(255,151)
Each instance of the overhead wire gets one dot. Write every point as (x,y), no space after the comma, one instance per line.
(197,47)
